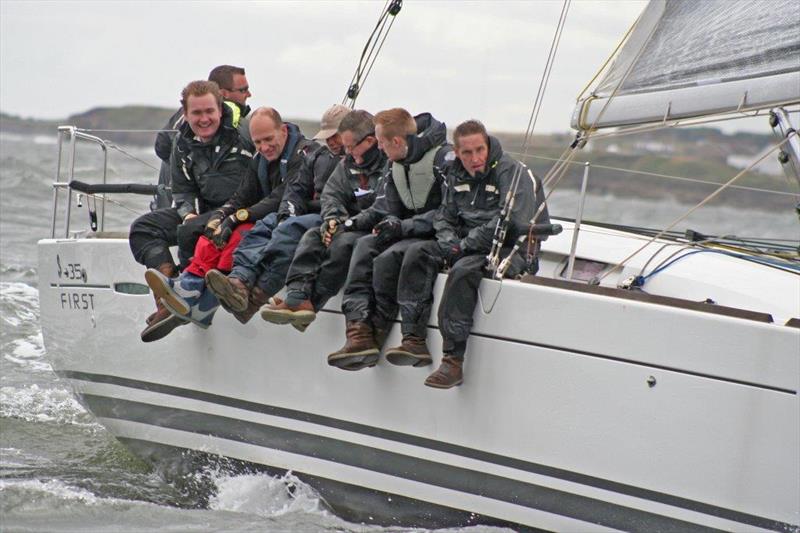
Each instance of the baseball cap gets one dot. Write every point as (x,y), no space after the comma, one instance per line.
(330,121)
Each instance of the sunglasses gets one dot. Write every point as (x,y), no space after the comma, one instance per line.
(242,90)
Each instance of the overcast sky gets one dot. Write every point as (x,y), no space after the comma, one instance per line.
(456,59)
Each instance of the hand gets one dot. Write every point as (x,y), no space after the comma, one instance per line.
(211,226)
(189,216)
(388,231)
(327,230)
(451,253)
(224,231)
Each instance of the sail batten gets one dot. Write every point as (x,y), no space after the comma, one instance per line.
(688,59)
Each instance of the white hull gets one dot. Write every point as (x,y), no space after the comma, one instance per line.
(558,424)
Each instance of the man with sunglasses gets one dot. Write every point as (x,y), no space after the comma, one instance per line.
(320,264)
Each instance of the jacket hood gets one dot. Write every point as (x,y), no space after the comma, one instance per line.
(495,153)
(430,134)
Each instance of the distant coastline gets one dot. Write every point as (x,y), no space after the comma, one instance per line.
(698,153)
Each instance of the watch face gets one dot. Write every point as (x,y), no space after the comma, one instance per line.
(242,215)
(348,222)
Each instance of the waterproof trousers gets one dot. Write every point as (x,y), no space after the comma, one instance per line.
(421,264)
(318,272)
(266,252)
(153,233)
(370,293)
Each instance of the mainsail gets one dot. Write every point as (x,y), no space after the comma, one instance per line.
(689,58)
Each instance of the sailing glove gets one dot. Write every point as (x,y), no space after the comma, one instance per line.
(224,231)
(388,231)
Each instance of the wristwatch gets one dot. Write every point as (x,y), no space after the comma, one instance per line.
(348,223)
(242,215)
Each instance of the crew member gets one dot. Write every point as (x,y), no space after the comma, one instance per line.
(417,149)
(478,184)
(320,264)
(209,159)
(262,260)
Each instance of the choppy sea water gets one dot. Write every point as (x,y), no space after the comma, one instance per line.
(61,471)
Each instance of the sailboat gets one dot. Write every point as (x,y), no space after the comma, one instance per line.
(639,382)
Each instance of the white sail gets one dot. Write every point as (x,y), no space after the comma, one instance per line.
(688,59)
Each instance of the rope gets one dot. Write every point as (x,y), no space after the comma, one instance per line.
(692,210)
(117,148)
(371,50)
(126,131)
(109,200)
(657,175)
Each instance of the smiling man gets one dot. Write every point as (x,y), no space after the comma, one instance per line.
(208,160)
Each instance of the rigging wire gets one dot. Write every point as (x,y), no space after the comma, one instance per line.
(371,50)
(658,175)
(708,198)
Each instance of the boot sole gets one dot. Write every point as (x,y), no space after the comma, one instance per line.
(366,361)
(408,359)
(162,291)
(161,329)
(218,283)
(297,319)
(349,359)
(442,385)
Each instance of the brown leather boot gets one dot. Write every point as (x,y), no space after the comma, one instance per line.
(232,293)
(162,322)
(413,351)
(169,270)
(299,316)
(257,298)
(359,350)
(448,375)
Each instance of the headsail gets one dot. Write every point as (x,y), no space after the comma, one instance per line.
(688,59)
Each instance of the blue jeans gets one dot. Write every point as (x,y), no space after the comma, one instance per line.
(266,251)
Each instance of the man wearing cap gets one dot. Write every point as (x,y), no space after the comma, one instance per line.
(262,259)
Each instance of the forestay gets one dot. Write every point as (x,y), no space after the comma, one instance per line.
(688,59)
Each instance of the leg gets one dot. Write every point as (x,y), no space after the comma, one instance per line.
(455,319)
(358,299)
(151,236)
(415,287)
(250,252)
(333,270)
(305,266)
(281,249)
(413,350)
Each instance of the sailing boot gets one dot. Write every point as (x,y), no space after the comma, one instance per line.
(233,294)
(299,316)
(162,322)
(170,271)
(257,298)
(448,375)
(413,351)
(359,350)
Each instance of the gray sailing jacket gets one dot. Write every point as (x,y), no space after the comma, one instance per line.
(472,205)
(413,187)
(304,189)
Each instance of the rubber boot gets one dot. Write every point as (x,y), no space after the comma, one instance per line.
(413,351)
(449,374)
